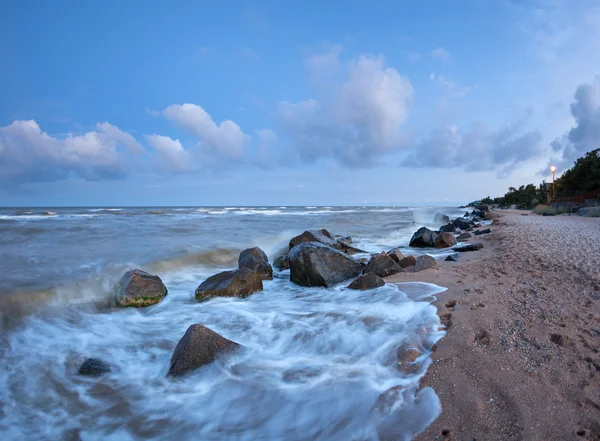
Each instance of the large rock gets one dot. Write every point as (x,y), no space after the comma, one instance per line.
(408,261)
(396,255)
(93,366)
(423,238)
(440,219)
(198,347)
(256,260)
(137,288)
(367,281)
(425,262)
(478,213)
(445,240)
(463,224)
(238,283)
(315,264)
(469,247)
(382,265)
(326,238)
(448,228)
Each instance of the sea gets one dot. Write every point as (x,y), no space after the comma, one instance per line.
(316,364)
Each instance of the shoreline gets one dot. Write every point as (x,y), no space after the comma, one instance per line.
(520,356)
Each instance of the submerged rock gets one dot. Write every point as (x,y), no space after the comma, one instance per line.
(408,261)
(198,346)
(238,283)
(94,366)
(382,265)
(445,240)
(423,238)
(255,259)
(282,262)
(137,288)
(315,264)
(425,262)
(440,219)
(470,247)
(366,282)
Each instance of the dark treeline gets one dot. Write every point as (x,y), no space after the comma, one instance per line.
(583,177)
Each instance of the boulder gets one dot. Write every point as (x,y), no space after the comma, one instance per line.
(408,261)
(382,265)
(346,240)
(480,232)
(469,247)
(198,347)
(255,259)
(137,288)
(367,281)
(315,264)
(463,224)
(93,366)
(452,258)
(448,228)
(425,262)
(282,262)
(440,219)
(478,213)
(423,238)
(326,238)
(445,240)
(238,283)
(396,255)
(484,207)
(464,236)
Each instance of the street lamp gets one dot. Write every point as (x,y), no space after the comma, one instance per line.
(553,170)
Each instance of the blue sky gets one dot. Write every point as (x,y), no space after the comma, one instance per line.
(292,103)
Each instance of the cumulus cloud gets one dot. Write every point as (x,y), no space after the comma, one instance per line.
(441,54)
(217,141)
(172,157)
(357,120)
(477,149)
(585,135)
(29,154)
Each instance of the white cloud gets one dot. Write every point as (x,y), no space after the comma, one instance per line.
(414,56)
(441,53)
(172,157)
(451,89)
(222,141)
(28,154)
(354,122)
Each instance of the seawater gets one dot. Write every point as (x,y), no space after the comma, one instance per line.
(315,360)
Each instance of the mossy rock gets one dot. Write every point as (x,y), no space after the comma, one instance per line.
(139,289)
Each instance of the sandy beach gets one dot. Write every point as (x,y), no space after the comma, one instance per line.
(520,359)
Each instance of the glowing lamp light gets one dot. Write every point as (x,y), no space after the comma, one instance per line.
(553,169)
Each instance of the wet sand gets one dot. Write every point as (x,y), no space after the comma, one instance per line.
(521,357)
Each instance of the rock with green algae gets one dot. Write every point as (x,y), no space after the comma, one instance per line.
(139,289)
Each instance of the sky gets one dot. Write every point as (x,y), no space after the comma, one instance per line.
(292,103)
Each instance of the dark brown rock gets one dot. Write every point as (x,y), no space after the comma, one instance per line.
(407,262)
(199,346)
(445,240)
(423,238)
(255,259)
(382,265)
(282,262)
(480,232)
(425,262)
(238,283)
(137,288)
(448,228)
(366,282)
(406,359)
(315,264)
(469,247)
(396,255)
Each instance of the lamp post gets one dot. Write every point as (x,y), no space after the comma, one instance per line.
(553,170)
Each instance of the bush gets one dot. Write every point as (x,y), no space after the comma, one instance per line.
(546,209)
